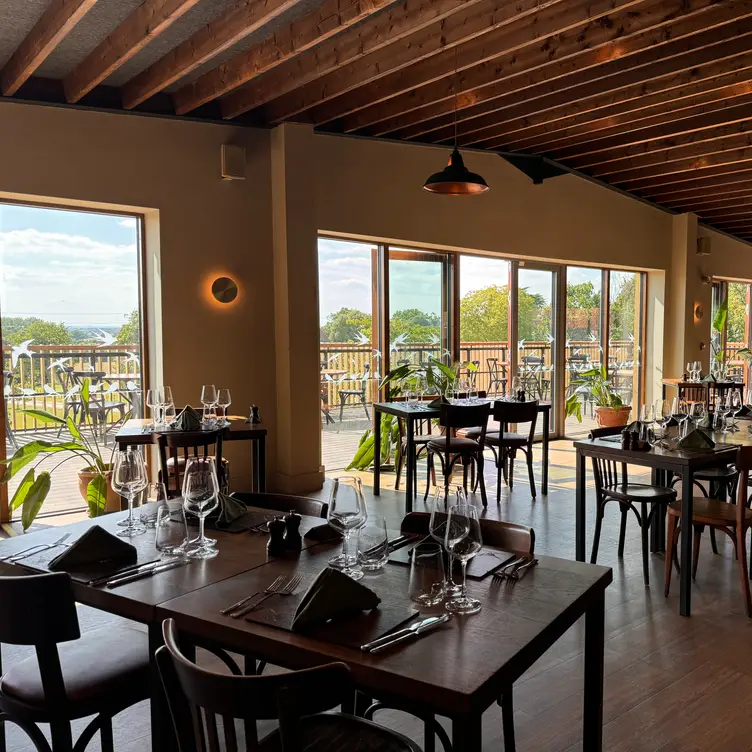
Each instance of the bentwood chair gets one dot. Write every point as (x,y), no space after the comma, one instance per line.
(732,519)
(497,376)
(176,448)
(70,676)
(612,484)
(361,393)
(283,503)
(423,433)
(199,698)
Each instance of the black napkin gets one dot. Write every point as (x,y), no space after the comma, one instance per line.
(671,422)
(331,595)
(635,426)
(709,378)
(187,420)
(745,411)
(696,439)
(229,510)
(95,550)
(323,534)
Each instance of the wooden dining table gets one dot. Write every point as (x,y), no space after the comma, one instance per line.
(457,671)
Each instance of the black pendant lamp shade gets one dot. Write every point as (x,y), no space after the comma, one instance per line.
(455,179)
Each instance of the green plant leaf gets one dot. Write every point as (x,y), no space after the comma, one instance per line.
(719,321)
(73,428)
(96,495)
(34,499)
(85,388)
(23,455)
(43,416)
(574,407)
(22,490)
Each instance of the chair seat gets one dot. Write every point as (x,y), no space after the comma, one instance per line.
(456,444)
(509,439)
(337,732)
(422,439)
(352,392)
(105,668)
(710,511)
(639,492)
(716,473)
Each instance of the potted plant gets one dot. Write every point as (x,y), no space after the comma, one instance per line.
(610,411)
(93,480)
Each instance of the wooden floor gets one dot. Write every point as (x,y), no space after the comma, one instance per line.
(672,684)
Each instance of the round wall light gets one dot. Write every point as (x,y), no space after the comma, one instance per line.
(224,289)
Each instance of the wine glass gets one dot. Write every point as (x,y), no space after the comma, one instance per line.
(443,499)
(696,370)
(689,372)
(129,479)
(722,409)
(200,492)
(154,402)
(735,407)
(463,541)
(155,494)
(682,417)
(647,418)
(224,400)
(167,404)
(208,395)
(347,512)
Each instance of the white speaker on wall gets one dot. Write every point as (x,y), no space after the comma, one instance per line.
(703,246)
(232,162)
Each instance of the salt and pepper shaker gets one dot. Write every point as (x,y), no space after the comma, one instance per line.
(293,541)
(276,544)
(254,417)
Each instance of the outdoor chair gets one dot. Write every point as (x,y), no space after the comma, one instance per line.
(361,394)
(497,376)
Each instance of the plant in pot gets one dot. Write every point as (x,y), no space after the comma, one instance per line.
(93,479)
(610,411)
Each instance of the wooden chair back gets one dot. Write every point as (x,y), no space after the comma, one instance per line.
(598,433)
(198,698)
(513,413)
(182,445)
(607,473)
(283,503)
(453,417)
(744,466)
(508,536)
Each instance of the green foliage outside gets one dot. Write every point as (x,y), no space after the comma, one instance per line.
(737,311)
(17,330)
(130,332)
(623,305)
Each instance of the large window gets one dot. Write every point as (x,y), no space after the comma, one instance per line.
(730,326)
(71,317)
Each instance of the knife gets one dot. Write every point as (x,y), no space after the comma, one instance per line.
(416,628)
(146,573)
(392,545)
(130,569)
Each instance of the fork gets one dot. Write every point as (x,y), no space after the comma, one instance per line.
(277,586)
(288,589)
(277,583)
(520,572)
(504,572)
(12,559)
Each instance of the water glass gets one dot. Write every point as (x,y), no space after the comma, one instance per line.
(412,397)
(347,513)
(463,541)
(427,574)
(200,491)
(443,499)
(373,544)
(209,419)
(172,529)
(156,494)
(129,479)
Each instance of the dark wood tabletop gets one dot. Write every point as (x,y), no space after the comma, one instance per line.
(132,431)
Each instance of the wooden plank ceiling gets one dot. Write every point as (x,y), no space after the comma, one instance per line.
(651,96)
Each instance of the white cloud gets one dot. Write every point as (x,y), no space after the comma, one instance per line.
(349,283)
(128,222)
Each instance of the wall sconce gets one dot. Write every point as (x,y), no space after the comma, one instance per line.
(699,313)
(706,280)
(224,290)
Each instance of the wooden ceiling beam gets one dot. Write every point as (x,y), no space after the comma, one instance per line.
(143,25)
(729,211)
(237,23)
(718,184)
(315,29)
(430,106)
(502,32)
(734,227)
(47,33)
(709,202)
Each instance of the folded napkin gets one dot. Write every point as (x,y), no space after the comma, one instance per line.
(332,595)
(743,412)
(96,549)
(696,439)
(709,378)
(635,426)
(671,422)
(323,534)
(187,419)
(229,509)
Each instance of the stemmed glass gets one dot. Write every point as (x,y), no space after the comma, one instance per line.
(129,479)
(722,409)
(696,370)
(463,541)
(735,407)
(224,400)
(209,401)
(200,492)
(167,404)
(647,418)
(443,499)
(154,403)
(347,512)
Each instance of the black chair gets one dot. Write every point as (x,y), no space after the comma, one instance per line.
(505,444)
(421,438)
(612,484)
(283,503)
(450,449)
(497,376)
(177,447)
(297,699)
(361,394)
(70,677)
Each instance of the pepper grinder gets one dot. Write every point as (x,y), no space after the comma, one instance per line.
(293,541)
(276,544)
(254,416)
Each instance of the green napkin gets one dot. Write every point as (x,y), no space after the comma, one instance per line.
(696,439)
(709,378)
(230,509)
(332,595)
(187,420)
(323,533)
(743,412)
(94,548)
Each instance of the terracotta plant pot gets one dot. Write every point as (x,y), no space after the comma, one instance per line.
(86,475)
(610,417)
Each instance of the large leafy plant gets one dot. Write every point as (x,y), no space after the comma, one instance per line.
(35,486)
(595,381)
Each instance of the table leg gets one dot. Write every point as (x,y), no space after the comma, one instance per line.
(376,451)
(162,732)
(685,598)
(592,719)
(467,734)
(254,466)
(544,471)
(409,463)
(580,512)
(262,464)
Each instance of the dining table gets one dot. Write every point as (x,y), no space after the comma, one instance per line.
(665,462)
(411,413)
(457,671)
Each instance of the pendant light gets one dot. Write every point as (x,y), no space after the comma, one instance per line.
(455,179)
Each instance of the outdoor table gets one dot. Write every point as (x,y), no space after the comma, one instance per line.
(721,387)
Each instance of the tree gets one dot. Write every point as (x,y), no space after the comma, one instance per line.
(583,296)
(17,330)
(484,315)
(346,324)
(622,313)
(737,312)
(414,325)
(130,332)
(583,311)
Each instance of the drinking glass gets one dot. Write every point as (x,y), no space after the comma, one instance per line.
(172,529)
(463,541)
(347,512)
(427,574)
(412,397)
(373,544)
(200,491)
(420,390)
(208,395)
(722,409)
(696,370)
(689,372)
(472,393)
(443,499)
(155,494)
(209,419)
(168,413)
(153,402)
(464,388)
(647,418)
(224,400)
(736,407)
(129,479)
(516,386)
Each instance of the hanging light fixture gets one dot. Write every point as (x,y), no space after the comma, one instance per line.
(455,179)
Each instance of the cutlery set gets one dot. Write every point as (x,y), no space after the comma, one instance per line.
(515,570)
(32,550)
(413,630)
(281,586)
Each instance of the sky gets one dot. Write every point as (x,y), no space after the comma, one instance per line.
(73,267)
